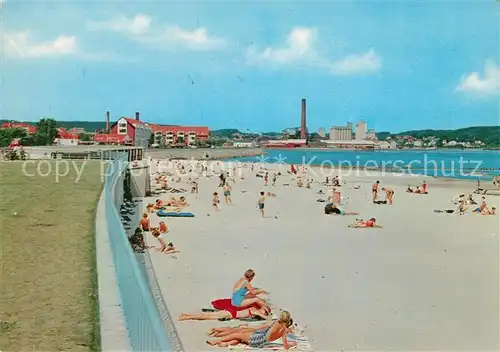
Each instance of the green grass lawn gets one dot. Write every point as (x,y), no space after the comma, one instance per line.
(48,282)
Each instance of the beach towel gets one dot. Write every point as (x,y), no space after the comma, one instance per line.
(303,344)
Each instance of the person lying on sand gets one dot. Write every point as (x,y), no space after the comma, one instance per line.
(365,224)
(259,338)
(262,313)
(150,208)
(271,194)
(331,208)
(244,294)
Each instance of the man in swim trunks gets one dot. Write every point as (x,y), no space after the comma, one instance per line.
(227,193)
(389,193)
(375,191)
(260,203)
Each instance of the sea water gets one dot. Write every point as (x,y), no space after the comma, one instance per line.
(464,164)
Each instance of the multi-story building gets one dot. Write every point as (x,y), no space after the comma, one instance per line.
(341,133)
(361,129)
(127,131)
(371,135)
(188,135)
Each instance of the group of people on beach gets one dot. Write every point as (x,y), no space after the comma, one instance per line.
(246,303)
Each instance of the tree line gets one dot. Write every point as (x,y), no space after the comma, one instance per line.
(46,132)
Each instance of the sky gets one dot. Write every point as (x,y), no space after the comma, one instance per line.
(238,64)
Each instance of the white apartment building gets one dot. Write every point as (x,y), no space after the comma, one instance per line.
(361,129)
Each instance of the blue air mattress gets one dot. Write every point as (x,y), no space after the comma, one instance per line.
(161,213)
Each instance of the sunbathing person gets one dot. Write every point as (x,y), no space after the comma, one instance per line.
(259,338)
(365,224)
(150,208)
(170,249)
(158,204)
(493,211)
(262,313)
(331,208)
(182,202)
(244,294)
(163,228)
(271,194)
(222,332)
(482,207)
(145,225)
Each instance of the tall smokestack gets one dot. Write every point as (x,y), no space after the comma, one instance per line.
(137,116)
(303,124)
(107,123)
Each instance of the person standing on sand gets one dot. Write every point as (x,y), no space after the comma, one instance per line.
(375,191)
(274,179)
(216,201)
(389,193)
(227,193)
(266,179)
(260,203)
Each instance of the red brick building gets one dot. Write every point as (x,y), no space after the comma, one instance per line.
(30,129)
(126,131)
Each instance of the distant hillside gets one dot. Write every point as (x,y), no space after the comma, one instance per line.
(89,126)
(487,134)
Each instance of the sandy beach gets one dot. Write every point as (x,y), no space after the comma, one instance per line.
(425,281)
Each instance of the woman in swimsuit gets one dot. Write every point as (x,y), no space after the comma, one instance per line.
(262,313)
(259,338)
(244,294)
(375,191)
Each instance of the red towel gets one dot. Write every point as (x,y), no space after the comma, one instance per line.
(225,304)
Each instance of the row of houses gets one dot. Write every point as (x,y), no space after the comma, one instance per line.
(130,131)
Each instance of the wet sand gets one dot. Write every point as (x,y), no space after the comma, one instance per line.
(426,281)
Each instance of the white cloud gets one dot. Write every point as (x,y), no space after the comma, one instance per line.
(139,28)
(137,25)
(489,84)
(301,49)
(357,63)
(19,44)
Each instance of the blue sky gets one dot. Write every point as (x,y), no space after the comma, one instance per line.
(397,65)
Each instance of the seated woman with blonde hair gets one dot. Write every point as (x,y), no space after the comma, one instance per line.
(259,338)
(158,204)
(163,228)
(145,225)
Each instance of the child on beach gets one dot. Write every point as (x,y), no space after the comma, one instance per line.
(266,179)
(261,337)
(260,203)
(375,191)
(216,201)
(365,224)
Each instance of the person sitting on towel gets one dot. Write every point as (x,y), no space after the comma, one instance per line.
(259,339)
(158,204)
(163,228)
(493,211)
(145,226)
(244,294)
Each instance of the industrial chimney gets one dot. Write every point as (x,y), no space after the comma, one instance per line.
(137,116)
(108,129)
(303,124)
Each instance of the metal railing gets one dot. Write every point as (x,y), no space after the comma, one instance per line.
(142,318)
